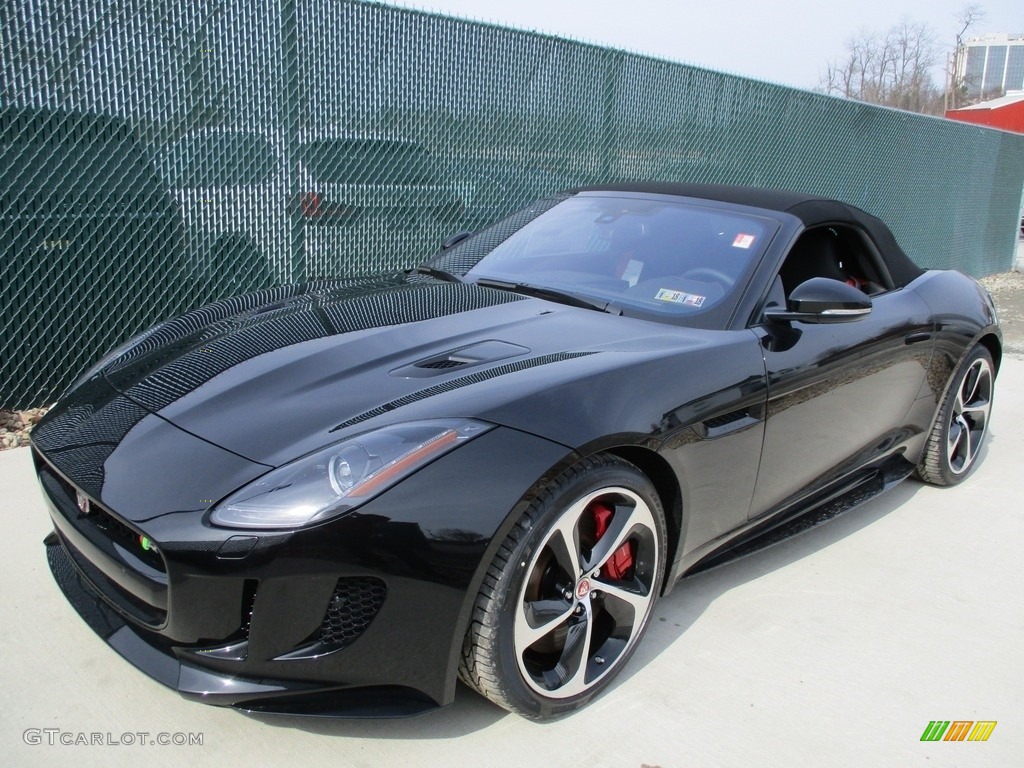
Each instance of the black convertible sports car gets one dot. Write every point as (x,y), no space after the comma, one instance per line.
(338,497)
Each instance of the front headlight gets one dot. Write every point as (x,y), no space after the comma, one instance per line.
(342,476)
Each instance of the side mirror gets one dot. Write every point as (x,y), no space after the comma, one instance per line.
(455,239)
(822,300)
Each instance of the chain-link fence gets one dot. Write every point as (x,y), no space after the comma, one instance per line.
(159,154)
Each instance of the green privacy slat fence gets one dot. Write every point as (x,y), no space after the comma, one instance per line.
(158,155)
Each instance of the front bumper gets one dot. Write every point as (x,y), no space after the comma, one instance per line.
(361,616)
(220,688)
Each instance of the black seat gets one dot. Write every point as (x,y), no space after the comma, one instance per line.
(816,254)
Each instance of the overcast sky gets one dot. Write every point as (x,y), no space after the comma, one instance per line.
(786,42)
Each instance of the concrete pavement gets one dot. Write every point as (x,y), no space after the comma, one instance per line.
(836,647)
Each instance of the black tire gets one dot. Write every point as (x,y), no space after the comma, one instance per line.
(962,422)
(549,629)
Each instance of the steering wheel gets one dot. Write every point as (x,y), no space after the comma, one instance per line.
(708,272)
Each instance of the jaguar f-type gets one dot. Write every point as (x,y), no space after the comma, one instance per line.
(342,496)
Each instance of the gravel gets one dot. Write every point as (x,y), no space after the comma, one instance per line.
(1007,288)
(15,426)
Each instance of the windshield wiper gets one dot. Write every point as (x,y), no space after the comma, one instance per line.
(551,294)
(436,272)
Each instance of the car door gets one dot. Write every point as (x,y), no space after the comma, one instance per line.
(838,394)
(715,457)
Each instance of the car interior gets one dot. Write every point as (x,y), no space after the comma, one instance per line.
(702,266)
(648,260)
(837,252)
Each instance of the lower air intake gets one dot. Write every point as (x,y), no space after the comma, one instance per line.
(356,600)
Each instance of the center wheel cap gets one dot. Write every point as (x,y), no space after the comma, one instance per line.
(582,589)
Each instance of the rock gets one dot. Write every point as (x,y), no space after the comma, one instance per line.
(15,426)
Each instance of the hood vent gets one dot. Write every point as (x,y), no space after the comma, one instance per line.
(448,362)
(463,357)
(450,385)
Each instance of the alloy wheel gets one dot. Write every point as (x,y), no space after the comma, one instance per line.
(588,593)
(969,416)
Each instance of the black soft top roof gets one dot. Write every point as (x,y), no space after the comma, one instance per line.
(810,209)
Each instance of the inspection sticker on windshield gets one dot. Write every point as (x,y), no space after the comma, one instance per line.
(679,297)
(743,241)
(631,274)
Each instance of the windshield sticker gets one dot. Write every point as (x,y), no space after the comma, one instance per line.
(680,297)
(631,274)
(743,241)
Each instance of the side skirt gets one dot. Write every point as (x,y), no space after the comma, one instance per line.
(798,518)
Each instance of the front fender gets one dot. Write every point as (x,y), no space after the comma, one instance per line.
(452,517)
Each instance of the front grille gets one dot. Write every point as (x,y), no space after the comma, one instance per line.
(112,527)
(129,576)
(356,600)
(120,599)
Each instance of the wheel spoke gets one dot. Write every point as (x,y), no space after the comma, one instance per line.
(542,617)
(957,433)
(977,411)
(636,600)
(970,386)
(972,444)
(623,523)
(953,437)
(565,547)
(570,674)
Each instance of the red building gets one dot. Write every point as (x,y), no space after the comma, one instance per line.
(1006,113)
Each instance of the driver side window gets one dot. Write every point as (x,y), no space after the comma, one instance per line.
(837,252)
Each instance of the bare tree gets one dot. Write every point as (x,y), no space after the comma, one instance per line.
(956,75)
(893,68)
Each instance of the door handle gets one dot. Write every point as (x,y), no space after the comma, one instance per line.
(916,338)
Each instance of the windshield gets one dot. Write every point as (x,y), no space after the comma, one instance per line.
(643,255)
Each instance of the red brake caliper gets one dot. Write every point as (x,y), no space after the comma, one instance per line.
(619,564)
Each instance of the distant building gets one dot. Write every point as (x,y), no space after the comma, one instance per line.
(1006,112)
(993,65)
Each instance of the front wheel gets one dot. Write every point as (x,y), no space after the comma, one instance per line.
(962,422)
(570,592)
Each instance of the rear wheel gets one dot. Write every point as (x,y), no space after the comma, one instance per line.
(570,592)
(960,428)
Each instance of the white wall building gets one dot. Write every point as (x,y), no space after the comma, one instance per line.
(994,64)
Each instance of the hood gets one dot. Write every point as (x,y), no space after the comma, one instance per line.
(132,461)
(272,375)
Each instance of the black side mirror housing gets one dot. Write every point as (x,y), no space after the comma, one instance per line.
(822,300)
